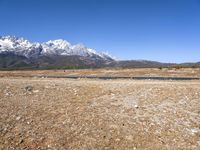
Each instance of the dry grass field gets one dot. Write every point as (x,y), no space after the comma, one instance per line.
(41,113)
(146,72)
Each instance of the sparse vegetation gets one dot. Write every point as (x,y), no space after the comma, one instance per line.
(121,114)
(14,62)
(65,67)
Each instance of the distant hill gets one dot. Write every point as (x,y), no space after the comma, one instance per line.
(12,61)
(149,64)
(138,64)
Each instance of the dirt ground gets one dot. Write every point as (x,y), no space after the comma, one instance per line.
(40,113)
(146,72)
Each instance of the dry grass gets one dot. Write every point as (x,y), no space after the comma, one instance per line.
(184,72)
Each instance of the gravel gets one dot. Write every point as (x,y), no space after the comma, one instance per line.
(96,114)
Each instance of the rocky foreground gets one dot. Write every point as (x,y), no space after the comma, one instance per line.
(96,114)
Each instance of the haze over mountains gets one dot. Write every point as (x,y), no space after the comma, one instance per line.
(19,53)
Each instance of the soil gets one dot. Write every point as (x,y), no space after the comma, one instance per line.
(40,113)
(145,72)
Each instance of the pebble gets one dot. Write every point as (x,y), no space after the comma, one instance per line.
(18,118)
(7,94)
(195,130)
(29,88)
(136,106)
(29,122)
(117,140)
(21,141)
(35,91)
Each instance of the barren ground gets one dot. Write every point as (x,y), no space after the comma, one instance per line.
(39,113)
(146,72)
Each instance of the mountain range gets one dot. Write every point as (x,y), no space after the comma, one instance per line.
(19,53)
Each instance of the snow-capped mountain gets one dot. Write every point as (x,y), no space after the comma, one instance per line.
(22,47)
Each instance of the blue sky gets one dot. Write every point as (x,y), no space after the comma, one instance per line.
(160,30)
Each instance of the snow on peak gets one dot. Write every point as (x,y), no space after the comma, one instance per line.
(62,44)
(12,42)
(107,55)
(21,46)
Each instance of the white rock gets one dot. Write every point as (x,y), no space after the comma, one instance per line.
(18,118)
(35,91)
(136,106)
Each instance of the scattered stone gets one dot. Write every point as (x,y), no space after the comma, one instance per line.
(21,141)
(35,91)
(7,94)
(135,118)
(29,88)
(29,122)
(195,130)
(136,106)
(18,118)
(117,140)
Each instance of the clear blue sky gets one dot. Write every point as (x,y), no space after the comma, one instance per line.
(161,30)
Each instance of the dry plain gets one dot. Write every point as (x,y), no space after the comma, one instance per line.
(45,113)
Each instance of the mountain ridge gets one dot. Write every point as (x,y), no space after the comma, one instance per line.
(60,47)
(19,53)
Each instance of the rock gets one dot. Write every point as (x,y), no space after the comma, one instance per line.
(35,91)
(29,122)
(18,118)
(29,88)
(195,130)
(21,141)
(117,140)
(136,106)
(7,94)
